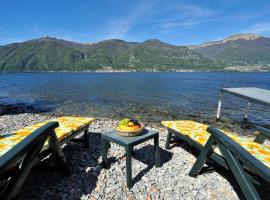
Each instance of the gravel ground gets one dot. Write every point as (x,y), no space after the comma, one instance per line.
(89,181)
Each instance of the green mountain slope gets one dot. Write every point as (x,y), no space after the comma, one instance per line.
(50,54)
(39,55)
(242,52)
(240,49)
(103,54)
(154,54)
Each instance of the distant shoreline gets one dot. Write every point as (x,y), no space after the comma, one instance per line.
(126,71)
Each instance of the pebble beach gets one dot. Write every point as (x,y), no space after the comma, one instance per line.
(88,180)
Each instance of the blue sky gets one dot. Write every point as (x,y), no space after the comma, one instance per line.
(173,21)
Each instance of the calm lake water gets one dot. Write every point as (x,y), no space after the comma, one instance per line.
(153,96)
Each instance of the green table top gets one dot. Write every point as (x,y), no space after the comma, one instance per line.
(254,94)
(113,136)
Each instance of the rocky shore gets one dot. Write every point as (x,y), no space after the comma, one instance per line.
(89,181)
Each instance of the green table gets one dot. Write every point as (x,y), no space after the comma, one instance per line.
(128,143)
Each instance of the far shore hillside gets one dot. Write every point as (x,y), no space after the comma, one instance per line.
(240,52)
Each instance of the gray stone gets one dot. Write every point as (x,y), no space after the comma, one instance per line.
(89,181)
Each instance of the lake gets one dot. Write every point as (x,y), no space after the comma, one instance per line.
(152,96)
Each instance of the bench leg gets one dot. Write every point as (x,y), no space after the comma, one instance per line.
(86,138)
(57,150)
(104,151)
(128,166)
(205,153)
(260,138)
(157,154)
(168,140)
(246,186)
(17,181)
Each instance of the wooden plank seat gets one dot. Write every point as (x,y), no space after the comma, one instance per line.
(249,160)
(57,131)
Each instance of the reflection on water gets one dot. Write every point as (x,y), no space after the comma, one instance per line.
(153,96)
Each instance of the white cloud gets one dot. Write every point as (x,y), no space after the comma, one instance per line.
(172,24)
(189,15)
(119,27)
(259,28)
(36,29)
(196,11)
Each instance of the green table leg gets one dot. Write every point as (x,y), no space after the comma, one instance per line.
(157,155)
(128,167)
(132,151)
(168,141)
(104,151)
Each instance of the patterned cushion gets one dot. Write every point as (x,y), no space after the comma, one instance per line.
(67,126)
(197,132)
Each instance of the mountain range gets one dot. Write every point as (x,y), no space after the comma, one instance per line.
(241,52)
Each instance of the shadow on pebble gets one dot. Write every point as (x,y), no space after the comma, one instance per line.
(146,156)
(84,167)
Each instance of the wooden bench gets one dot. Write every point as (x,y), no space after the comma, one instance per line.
(249,161)
(20,150)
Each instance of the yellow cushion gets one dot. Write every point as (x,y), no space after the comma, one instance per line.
(67,126)
(197,132)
